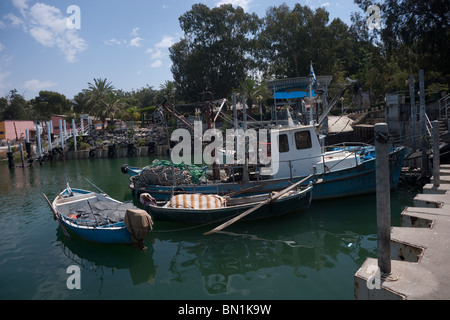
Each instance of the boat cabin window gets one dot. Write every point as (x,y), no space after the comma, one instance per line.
(283,144)
(303,140)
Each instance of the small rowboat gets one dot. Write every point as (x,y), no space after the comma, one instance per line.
(99,218)
(198,210)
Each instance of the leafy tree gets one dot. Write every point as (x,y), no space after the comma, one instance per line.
(14,107)
(145,97)
(415,34)
(216,51)
(49,103)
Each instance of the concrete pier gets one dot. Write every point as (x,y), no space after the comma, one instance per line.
(420,251)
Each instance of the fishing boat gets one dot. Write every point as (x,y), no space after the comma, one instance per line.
(131,171)
(344,171)
(99,218)
(202,208)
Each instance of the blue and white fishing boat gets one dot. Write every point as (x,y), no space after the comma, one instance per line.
(346,171)
(99,218)
(131,171)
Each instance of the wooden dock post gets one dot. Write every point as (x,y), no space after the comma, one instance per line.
(383,197)
(436,154)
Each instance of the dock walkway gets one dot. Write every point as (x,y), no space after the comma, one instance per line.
(420,251)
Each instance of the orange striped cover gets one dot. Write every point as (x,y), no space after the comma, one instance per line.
(197,201)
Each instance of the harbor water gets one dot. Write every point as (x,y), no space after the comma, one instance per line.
(304,255)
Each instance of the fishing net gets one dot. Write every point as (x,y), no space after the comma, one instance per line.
(160,173)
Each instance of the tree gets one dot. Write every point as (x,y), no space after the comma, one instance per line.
(112,106)
(167,91)
(96,93)
(291,39)
(145,97)
(49,103)
(216,51)
(14,107)
(415,34)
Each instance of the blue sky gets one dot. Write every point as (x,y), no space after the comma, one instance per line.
(124,41)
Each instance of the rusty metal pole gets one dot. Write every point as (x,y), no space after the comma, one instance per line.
(436,154)
(383,196)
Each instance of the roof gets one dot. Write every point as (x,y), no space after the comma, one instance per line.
(292,88)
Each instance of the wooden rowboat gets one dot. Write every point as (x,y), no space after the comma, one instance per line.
(296,200)
(99,218)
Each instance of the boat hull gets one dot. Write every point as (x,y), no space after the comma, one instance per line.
(293,203)
(115,233)
(353,181)
(119,235)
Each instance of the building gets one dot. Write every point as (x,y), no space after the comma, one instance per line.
(15,129)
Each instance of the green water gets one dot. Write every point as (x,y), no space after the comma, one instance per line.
(309,255)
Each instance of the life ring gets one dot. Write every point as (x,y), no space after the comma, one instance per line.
(123,168)
(151,150)
(111,153)
(130,152)
(91,153)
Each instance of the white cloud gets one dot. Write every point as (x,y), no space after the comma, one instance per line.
(244,4)
(156,64)
(154,53)
(166,42)
(157,52)
(48,26)
(134,33)
(37,85)
(21,5)
(2,47)
(136,42)
(112,41)
(13,20)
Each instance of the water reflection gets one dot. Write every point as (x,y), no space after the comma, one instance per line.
(98,257)
(285,258)
(247,249)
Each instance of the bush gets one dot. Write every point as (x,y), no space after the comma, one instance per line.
(81,145)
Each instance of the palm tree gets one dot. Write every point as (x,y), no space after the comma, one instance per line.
(95,96)
(167,91)
(112,106)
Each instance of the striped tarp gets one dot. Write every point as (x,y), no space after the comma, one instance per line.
(196,201)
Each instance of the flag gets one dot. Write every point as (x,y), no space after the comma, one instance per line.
(312,74)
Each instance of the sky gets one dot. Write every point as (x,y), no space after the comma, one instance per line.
(61,45)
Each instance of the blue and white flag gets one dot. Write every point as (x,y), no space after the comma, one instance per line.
(312,74)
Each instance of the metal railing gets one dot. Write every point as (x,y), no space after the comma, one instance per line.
(444,104)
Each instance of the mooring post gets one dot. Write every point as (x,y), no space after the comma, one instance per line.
(74,131)
(413,117)
(423,123)
(383,197)
(436,154)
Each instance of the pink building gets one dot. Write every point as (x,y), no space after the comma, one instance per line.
(15,129)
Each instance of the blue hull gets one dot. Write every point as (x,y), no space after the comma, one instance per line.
(112,233)
(347,182)
(101,235)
